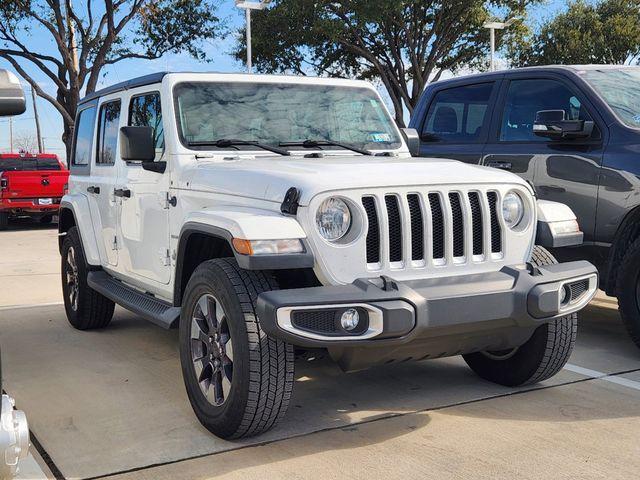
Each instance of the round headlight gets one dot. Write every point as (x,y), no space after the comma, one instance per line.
(333,219)
(512,209)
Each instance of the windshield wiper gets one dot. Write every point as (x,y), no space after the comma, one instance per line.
(230,142)
(324,143)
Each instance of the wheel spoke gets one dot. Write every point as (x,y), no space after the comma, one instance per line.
(71,258)
(217,383)
(228,349)
(197,332)
(226,386)
(219,315)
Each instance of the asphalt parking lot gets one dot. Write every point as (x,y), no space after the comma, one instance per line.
(112,404)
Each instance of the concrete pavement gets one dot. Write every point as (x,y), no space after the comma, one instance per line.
(112,403)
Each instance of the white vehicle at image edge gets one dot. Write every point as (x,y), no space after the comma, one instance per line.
(258,214)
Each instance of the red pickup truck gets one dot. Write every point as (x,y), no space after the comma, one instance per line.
(31,185)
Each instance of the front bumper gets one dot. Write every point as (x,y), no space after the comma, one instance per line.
(431,317)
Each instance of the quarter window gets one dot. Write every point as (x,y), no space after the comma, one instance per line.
(84,136)
(145,111)
(527,97)
(108,122)
(458,115)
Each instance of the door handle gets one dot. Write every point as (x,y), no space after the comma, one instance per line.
(93,189)
(122,192)
(500,165)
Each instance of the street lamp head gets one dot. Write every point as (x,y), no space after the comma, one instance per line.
(252,5)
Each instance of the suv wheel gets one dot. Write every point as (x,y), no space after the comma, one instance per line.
(540,358)
(86,309)
(239,380)
(628,290)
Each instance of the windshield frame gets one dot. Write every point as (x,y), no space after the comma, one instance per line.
(282,81)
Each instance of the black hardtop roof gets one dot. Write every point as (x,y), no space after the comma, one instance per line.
(542,68)
(126,85)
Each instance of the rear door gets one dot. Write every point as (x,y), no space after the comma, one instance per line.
(455,124)
(563,171)
(105,205)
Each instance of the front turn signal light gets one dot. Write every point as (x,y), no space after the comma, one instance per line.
(267,247)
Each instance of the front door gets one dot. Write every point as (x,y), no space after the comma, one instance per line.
(104,205)
(456,123)
(144,216)
(562,171)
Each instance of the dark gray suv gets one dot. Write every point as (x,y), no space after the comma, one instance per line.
(574,133)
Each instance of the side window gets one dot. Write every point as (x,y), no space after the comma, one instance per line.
(457,115)
(145,111)
(108,122)
(527,97)
(48,164)
(84,136)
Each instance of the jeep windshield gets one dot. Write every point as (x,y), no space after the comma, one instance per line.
(289,116)
(620,88)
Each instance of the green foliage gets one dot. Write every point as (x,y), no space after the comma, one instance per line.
(402,43)
(604,32)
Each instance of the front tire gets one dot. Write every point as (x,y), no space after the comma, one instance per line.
(628,291)
(540,358)
(86,309)
(239,380)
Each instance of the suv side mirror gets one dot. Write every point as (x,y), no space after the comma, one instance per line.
(137,145)
(12,99)
(412,138)
(552,124)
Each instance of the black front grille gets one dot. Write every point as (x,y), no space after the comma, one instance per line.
(395,228)
(578,289)
(496,232)
(476,223)
(318,321)
(437,225)
(373,233)
(458,225)
(417,229)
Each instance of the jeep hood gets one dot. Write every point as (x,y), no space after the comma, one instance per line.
(268,178)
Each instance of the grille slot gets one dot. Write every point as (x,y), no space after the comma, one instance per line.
(417,227)
(373,234)
(458,225)
(496,232)
(320,321)
(476,223)
(577,289)
(437,225)
(395,228)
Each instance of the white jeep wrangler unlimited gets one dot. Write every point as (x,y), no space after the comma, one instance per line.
(259,213)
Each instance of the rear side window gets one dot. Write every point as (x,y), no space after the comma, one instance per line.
(10,165)
(84,136)
(145,111)
(458,115)
(108,122)
(48,164)
(527,97)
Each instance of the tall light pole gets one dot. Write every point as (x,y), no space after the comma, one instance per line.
(247,6)
(493,26)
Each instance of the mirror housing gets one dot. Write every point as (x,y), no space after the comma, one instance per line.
(12,99)
(412,138)
(137,145)
(552,124)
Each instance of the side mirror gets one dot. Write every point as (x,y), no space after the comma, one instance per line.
(12,99)
(137,145)
(552,124)
(412,138)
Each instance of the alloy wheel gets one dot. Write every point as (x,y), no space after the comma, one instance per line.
(73,288)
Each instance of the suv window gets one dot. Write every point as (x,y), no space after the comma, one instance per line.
(458,114)
(108,132)
(145,111)
(527,97)
(84,136)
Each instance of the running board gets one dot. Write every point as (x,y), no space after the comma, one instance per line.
(143,304)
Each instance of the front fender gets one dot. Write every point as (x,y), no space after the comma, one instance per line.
(78,205)
(557,225)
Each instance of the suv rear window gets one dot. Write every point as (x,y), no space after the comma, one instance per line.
(27,164)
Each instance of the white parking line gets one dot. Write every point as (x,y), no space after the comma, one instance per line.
(603,376)
(35,305)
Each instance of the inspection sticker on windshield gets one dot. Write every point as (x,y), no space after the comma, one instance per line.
(380,137)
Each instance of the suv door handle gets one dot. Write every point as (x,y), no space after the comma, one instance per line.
(500,165)
(93,189)
(122,192)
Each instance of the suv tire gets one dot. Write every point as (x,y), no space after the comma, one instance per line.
(86,309)
(246,392)
(540,358)
(628,290)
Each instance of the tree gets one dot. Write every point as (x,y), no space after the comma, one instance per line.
(402,43)
(605,32)
(88,38)
(25,142)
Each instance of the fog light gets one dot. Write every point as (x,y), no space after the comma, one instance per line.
(565,295)
(349,319)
